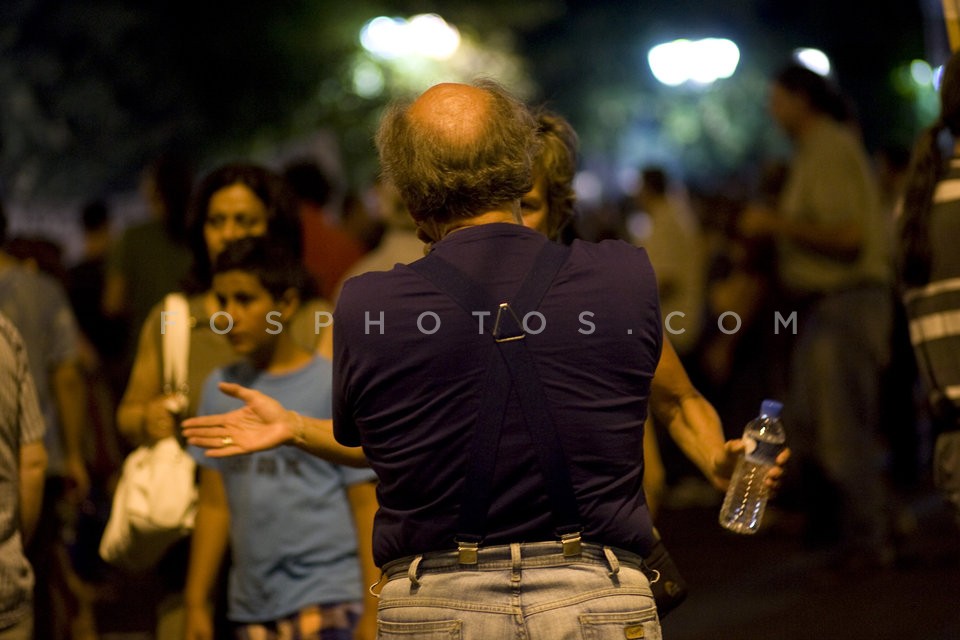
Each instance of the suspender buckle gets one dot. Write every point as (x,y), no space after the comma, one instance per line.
(571,544)
(467,552)
(501,333)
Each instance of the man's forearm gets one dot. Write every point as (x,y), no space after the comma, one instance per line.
(691,420)
(315,436)
(696,428)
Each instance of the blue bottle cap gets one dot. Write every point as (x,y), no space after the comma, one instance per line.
(771,408)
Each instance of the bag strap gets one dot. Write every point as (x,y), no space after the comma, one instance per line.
(175,352)
(510,366)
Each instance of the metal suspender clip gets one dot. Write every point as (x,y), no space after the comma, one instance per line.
(571,544)
(467,552)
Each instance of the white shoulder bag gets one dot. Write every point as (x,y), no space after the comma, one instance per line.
(156,497)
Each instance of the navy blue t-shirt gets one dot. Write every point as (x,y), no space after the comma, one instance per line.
(408,370)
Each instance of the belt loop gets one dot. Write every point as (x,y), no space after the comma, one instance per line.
(612,561)
(376,594)
(412,571)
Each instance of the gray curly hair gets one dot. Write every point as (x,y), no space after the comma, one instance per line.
(460,170)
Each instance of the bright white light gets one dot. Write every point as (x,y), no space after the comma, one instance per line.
(921,73)
(384,37)
(426,35)
(699,61)
(433,37)
(721,55)
(813,59)
(668,62)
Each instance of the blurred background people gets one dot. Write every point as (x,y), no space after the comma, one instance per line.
(399,244)
(929,269)
(23,460)
(892,164)
(151,258)
(37,305)
(362,217)
(87,277)
(734,368)
(102,337)
(328,250)
(670,232)
(283,507)
(102,341)
(38,253)
(233,201)
(834,265)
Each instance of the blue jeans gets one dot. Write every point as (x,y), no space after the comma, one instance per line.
(529,591)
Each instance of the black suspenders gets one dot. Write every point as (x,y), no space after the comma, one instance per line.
(511,367)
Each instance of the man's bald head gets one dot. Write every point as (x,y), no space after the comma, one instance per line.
(455,113)
(458,150)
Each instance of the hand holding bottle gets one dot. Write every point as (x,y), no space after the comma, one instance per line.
(734,450)
(757,471)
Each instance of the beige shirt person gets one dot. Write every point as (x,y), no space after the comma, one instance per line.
(830,182)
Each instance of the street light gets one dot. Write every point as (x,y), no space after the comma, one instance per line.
(813,59)
(700,62)
(425,35)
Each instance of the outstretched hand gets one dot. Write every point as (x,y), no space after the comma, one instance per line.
(725,464)
(261,424)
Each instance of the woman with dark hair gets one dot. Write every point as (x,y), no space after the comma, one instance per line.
(929,269)
(232,202)
(208,232)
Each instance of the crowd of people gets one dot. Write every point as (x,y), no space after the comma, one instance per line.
(506,394)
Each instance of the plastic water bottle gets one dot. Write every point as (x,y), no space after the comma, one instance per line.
(746,498)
